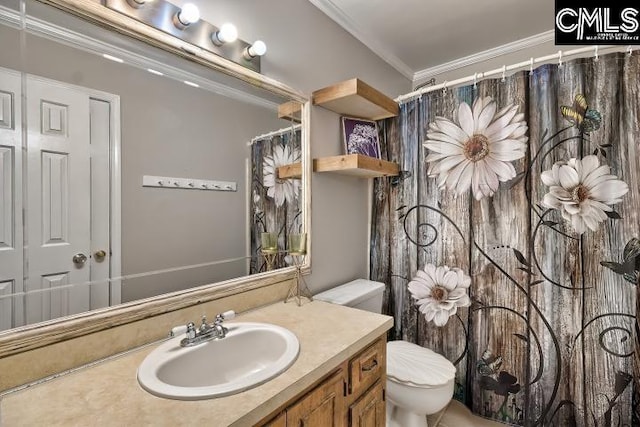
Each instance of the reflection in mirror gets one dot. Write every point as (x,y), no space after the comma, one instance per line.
(139,173)
(275,196)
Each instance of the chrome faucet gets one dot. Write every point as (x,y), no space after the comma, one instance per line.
(206,331)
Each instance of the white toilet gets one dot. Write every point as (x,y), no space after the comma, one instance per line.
(419,381)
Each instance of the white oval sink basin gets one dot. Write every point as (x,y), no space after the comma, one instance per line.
(250,354)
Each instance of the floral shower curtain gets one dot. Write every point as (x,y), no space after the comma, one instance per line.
(274,202)
(509,243)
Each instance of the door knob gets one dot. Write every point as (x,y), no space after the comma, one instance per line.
(99,255)
(79,259)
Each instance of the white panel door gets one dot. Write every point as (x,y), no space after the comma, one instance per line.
(58,224)
(11,237)
(100,124)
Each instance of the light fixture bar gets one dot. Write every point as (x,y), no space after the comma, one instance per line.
(160,14)
(136,4)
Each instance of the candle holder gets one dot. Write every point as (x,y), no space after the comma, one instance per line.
(297,250)
(269,248)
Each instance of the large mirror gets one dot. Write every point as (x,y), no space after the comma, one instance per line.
(129,171)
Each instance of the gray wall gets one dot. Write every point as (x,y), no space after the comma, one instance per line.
(168,129)
(308,51)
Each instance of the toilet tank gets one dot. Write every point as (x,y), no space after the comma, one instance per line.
(360,293)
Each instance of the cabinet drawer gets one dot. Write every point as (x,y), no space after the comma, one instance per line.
(367,367)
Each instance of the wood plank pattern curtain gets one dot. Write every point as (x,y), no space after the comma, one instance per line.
(551,337)
(267,213)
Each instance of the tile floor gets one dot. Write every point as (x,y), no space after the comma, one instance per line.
(458,415)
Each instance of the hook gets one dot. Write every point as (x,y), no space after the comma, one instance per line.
(630,50)
(560,58)
(504,73)
(531,66)
(475,80)
(444,87)
(595,53)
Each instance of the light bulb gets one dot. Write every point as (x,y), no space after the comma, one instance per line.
(189,14)
(226,34)
(258,48)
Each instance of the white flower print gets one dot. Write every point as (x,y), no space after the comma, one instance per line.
(583,191)
(280,190)
(363,139)
(477,151)
(439,291)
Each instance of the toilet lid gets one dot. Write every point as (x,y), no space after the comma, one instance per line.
(411,364)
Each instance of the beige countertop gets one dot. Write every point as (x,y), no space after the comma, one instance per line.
(108,393)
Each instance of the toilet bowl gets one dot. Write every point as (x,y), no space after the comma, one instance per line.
(419,381)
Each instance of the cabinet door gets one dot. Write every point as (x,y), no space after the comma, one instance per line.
(369,410)
(322,407)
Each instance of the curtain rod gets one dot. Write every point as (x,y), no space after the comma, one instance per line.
(503,70)
(274,133)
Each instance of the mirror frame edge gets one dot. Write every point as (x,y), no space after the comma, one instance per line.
(42,334)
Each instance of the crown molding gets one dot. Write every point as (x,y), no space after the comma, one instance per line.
(512,47)
(88,44)
(368,39)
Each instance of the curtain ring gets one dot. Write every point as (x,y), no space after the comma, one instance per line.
(475,80)
(630,50)
(444,87)
(531,66)
(560,58)
(504,73)
(595,53)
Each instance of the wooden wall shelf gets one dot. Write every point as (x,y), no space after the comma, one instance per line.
(356,165)
(291,110)
(293,170)
(357,99)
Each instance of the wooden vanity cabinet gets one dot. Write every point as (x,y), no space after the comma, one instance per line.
(353,395)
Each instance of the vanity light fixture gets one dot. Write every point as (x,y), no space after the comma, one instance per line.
(112,58)
(185,23)
(189,14)
(226,34)
(258,48)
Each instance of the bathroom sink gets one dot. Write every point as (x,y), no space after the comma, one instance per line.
(249,355)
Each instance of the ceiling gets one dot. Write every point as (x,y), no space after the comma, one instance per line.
(416,35)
